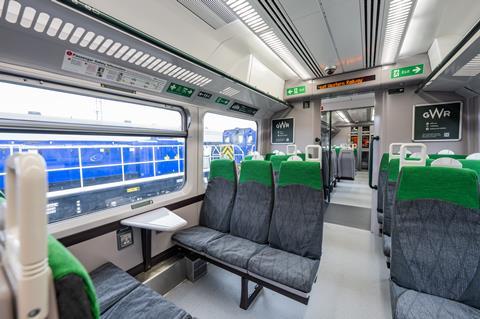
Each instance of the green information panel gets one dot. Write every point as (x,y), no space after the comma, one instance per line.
(437,122)
(406,71)
(180,90)
(221,100)
(283,131)
(296,90)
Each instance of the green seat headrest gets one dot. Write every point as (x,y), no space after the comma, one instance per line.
(257,171)
(302,156)
(277,160)
(248,158)
(454,185)
(454,156)
(384,162)
(223,168)
(268,156)
(393,169)
(301,173)
(471,164)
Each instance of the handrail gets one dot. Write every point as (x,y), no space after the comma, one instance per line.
(370,162)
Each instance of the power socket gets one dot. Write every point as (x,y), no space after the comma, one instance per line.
(124,237)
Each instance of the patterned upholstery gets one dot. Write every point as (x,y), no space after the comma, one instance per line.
(218,204)
(388,199)
(382,182)
(288,269)
(233,250)
(411,304)
(387,245)
(197,237)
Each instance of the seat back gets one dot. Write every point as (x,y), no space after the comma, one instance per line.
(297,218)
(219,196)
(276,162)
(389,194)
(382,180)
(346,162)
(253,202)
(437,233)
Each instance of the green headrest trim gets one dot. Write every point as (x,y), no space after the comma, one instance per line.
(268,156)
(454,156)
(301,173)
(302,156)
(384,162)
(337,150)
(248,158)
(223,168)
(277,160)
(454,185)
(393,169)
(474,165)
(257,171)
(63,263)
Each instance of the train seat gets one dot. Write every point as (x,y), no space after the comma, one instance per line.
(346,161)
(296,228)
(382,181)
(435,256)
(250,216)
(216,208)
(276,162)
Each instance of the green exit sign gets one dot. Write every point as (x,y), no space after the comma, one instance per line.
(221,100)
(406,71)
(296,90)
(180,90)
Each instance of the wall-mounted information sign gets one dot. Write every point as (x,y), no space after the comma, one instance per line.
(406,71)
(180,90)
(205,95)
(283,131)
(437,122)
(347,82)
(237,107)
(296,90)
(222,100)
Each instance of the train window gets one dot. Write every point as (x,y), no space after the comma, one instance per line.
(227,137)
(94,172)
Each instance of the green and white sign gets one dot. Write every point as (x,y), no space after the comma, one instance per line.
(222,100)
(406,71)
(180,90)
(296,90)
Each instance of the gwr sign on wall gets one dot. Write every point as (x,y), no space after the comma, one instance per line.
(437,122)
(283,131)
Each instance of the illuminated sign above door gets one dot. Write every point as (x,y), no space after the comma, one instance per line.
(347,82)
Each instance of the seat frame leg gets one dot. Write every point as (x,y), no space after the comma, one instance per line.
(245,299)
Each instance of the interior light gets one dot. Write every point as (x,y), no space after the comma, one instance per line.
(343,116)
(398,15)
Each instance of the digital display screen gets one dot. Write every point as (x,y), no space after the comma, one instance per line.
(353,81)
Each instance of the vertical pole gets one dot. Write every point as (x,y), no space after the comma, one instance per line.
(329,152)
(244,294)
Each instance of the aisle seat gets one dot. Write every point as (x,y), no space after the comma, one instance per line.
(346,164)
(216,208)
(382,181)
(296,228)
(250,216)
(435,257)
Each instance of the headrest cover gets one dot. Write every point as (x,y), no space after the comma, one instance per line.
(384,162)
(301,173)
(446,162)
(454,185)
(277,160)
(257,171)
(223,168)
(393,169)
(473,156)
(455,156)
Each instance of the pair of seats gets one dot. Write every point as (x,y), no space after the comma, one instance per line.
(346,164)
(435,262)
(271,233)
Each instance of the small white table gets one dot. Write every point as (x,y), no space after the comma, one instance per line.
(161,219)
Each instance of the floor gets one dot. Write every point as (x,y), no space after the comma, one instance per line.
(353,193)
(352,283)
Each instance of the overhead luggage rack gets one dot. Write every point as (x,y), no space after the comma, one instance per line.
(73,40)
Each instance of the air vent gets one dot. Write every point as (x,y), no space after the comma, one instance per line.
(212,12)
(229,91)
(472,68)
(61,30)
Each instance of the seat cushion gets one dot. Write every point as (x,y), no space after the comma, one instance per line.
(197,237)
(111,284)
(233,250)
(411,304)
(387,245)
(289,269)
(145,303)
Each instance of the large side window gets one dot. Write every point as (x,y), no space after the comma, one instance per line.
(227,137)
(100,153)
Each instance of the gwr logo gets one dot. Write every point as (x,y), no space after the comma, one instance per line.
(436,113)
(283,124)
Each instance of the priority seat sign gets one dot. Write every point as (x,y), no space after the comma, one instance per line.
(283,131)
(437,122)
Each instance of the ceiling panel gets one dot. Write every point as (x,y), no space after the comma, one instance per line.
(345,23)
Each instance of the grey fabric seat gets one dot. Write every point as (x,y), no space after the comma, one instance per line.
(346,161)
(145,303)
(387,245)
(382,181)
(197,237)
(388,201)
(216,208)
(289,269)
(435,244)
(233,250)
(411,304)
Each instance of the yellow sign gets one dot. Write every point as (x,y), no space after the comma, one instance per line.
(227,152)
(353,81)
(133,189)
